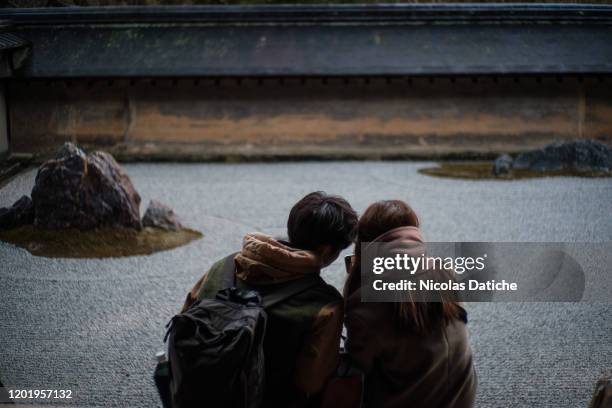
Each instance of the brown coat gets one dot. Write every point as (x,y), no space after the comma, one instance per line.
(405,369)
(409,370)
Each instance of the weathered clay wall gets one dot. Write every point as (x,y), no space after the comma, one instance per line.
(333,117)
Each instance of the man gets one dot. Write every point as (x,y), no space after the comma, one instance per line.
(303,332)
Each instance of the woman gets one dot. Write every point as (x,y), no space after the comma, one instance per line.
(413,354)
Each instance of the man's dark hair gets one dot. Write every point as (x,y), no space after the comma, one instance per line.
(322,219)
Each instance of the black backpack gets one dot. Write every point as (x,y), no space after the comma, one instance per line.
(215,348)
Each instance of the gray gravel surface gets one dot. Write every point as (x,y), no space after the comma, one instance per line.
(93,326)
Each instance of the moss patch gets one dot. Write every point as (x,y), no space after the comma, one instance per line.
(97,243)
(482,171)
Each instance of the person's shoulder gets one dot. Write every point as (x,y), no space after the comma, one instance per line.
(218,264)
(326,292)
(323,286)
(214,279)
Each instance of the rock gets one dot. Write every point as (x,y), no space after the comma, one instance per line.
(76,190)
(161,216)
(20,213)
(581,155)
(502,165)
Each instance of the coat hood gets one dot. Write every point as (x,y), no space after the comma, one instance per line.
(402,240)
(264,260)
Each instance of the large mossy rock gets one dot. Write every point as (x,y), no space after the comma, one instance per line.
(76,190)
(580,155)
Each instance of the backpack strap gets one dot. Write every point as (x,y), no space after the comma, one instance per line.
(290,289)
(283,293)
(229,272)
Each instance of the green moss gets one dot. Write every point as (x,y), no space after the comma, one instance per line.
(96,243)
(482,171)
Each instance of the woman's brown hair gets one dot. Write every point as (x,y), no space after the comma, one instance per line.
(380,217)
